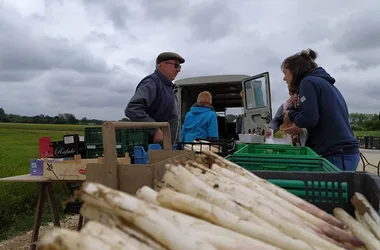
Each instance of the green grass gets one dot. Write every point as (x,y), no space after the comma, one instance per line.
(19,144)
(367,133)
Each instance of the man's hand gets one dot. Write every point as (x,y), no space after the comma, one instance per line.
(158,136)
(293,130)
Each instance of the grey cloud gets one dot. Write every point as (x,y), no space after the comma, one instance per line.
(50,3)
(24,56)
(359,31)
(360,94)
(96,36)
(164,9)
(91,98)
(111,48)
(212,20)
(358,38)
(38,17)
(90,90)
(18,75)
(44,54)
(315,31)
(266,57)
(138,62)
(116,11)
(364,59)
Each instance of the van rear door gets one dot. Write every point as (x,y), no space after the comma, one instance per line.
(257,103)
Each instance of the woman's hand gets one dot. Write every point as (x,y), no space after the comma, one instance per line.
(286,117)
(268,132)
(293,130)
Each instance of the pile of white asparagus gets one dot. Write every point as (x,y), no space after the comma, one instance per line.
(210,204)
(204,146)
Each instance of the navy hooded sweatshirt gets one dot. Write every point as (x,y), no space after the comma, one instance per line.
(323,112)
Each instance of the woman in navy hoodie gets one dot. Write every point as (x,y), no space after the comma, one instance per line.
(322,111)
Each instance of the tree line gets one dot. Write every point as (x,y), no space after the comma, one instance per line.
(65,118)
(359,121)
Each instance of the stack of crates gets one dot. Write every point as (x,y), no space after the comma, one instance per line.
(285,158)
(126,140)
(273,157)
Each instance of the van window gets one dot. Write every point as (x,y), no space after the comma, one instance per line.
(255,94)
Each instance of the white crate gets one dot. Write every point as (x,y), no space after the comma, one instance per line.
(249,138)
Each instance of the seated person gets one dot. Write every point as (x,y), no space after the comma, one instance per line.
(201,121)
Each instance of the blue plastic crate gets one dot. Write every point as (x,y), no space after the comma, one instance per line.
(141,156)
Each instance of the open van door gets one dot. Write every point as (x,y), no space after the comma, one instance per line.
(257,103)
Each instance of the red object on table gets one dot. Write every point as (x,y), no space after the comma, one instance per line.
(45,147)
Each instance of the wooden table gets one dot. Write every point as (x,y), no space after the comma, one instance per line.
(45,187)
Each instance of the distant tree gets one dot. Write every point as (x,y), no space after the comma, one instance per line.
(84,120)
(3,116)
(360,121)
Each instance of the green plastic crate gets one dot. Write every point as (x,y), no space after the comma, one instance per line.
(298,188)
(126,140)
(280,163)
(98,152)
(134,137)
(274,150)
(328,190)
(239,146)
(93,138)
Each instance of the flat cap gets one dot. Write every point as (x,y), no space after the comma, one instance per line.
(165,56)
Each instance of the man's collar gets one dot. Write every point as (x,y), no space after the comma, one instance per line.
(163,78)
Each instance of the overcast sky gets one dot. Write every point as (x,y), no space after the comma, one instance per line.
(86,56)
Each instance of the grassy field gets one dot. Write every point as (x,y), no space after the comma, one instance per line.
(367,133)
(19,144)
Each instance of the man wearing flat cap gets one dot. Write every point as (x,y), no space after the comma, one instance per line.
(154,99)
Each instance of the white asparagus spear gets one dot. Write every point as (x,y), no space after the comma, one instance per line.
(250,196)
(201,209)
(328,229)
(201,225)
(205,229)
(370,209)
(297,201)
(183,181)
(105,216)
(148,194)
(190,227)
(370,241)
(360,219)
(134,211)
(195,187)
(374,228)
(111,236)
(65,239)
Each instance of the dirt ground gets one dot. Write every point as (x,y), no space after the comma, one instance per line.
(22,242)
(373,157)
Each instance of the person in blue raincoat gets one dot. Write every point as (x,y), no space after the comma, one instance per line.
(201,121)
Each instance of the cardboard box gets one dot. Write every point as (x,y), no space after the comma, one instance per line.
(74,169)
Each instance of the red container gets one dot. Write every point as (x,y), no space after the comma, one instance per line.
(46,149)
